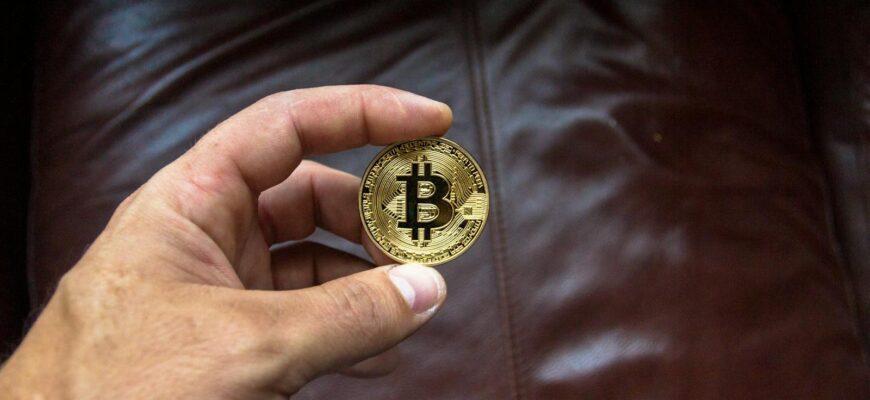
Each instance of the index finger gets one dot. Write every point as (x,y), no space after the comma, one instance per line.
(268,139)
(215,184)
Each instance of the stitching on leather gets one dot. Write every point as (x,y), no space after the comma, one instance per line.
(483,122)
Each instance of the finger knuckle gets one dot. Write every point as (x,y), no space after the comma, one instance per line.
(204,185)
(96,292)
(359,306)
(277,107)
(212,190)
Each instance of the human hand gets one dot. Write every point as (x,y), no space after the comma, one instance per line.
(180,296)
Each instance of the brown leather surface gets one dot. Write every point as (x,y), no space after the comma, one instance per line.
(835,40)
(660,222)
(16,77)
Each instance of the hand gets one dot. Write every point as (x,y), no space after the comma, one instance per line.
(180,296)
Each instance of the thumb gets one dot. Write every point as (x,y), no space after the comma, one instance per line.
(349,319)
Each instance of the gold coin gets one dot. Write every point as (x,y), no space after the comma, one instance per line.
(424,201)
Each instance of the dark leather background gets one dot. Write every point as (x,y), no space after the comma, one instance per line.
(662,215)
(16,76)
(836,61)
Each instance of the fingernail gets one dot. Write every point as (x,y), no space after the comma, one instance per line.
(422,287)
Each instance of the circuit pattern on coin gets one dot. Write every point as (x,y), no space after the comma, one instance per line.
(424,201)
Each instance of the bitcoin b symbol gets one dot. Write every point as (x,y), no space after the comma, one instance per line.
(423,201)
(434,190)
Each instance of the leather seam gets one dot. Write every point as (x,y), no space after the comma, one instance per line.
(484,125)
(837,235)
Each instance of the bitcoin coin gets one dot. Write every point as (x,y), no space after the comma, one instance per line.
(424,201)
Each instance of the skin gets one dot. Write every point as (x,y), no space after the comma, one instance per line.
(184,296)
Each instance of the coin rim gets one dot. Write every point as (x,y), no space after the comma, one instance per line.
(381,154)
